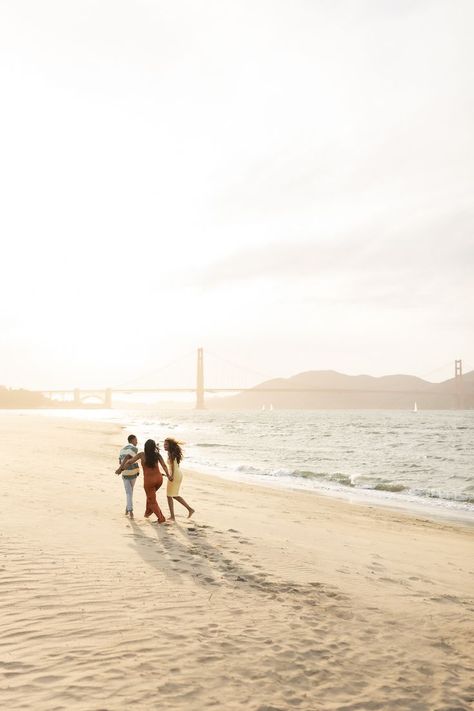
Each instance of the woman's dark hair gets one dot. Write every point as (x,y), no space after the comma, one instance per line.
(174,450)
(151,453)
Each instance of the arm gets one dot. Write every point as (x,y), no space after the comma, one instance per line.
(129,460)
(119,470)
(162,462)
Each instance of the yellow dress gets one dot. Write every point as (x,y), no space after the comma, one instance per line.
(172,488)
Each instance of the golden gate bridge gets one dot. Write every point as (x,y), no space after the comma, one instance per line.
(82,397)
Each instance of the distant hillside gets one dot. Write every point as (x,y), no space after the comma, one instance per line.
(10,398)
(328,389)
(468,383)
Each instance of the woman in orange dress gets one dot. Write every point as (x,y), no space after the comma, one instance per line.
(151,460)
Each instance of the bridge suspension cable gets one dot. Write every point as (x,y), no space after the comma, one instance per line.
(221,372)
(444,367)
(241,367)
(155,371)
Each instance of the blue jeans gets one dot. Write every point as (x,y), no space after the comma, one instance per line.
(129,483)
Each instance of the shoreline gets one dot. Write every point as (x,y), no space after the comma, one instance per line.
(265,599)
(433,508)
(367,498)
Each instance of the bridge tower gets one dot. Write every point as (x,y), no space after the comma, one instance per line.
(458,380)
(200,380)
(77,397)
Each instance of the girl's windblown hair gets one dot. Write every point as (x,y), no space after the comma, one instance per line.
(151,453)
(174,450)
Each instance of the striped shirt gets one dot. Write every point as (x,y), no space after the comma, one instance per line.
(129,450)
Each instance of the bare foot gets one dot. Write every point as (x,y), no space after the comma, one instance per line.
(171,518)
(190,513)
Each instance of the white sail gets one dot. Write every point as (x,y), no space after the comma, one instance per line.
(415,407)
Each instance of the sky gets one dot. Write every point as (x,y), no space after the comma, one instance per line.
(287,184)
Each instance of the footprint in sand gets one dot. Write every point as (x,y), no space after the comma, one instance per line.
(377,567)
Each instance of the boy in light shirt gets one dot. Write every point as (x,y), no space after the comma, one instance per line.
(129,474)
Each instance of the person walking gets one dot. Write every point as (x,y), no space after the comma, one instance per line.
(151,460)
(175,455)
(130,472)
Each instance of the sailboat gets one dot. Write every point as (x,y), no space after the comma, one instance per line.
(415,407)
(271,406)
(263,407)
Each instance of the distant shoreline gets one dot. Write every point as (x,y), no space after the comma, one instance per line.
(311,390)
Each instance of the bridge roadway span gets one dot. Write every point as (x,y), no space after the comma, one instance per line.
(100,391)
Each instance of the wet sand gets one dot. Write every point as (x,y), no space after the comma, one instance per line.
(266,600)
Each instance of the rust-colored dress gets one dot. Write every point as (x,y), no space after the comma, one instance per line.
(152,480)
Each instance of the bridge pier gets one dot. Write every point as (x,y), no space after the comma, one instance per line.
(459,384)
(77,397)
(200,380)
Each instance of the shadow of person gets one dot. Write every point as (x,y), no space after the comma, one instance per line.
(217,560)
(184,551)
(149,549)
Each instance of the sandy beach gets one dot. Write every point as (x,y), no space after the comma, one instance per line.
(266,600)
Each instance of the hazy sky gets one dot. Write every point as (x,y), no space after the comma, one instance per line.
(289,184)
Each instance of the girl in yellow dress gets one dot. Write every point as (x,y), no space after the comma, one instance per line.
(175,455)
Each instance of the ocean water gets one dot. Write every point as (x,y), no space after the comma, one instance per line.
(400,457)
(424,457)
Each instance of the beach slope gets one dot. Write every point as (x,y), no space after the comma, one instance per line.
(266,600)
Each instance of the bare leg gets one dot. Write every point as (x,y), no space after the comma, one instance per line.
(171,508)
(186,506)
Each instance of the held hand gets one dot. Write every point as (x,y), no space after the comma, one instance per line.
(118,471)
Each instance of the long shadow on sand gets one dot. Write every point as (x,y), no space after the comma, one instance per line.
(185,550)
(151,550)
